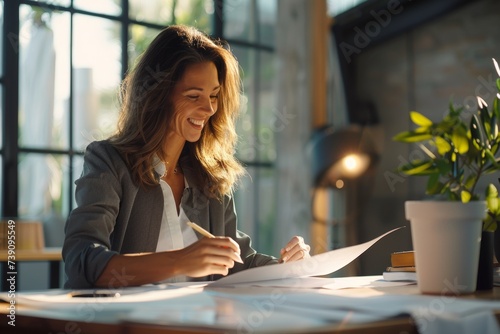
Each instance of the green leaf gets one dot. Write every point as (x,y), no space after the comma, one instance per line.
(496,66)
(443,165)
(411,137)
(496,107)
(491,158)
(417,168)
(420,119)
(485,121)
(490,223)
(469,183)
(465,196)
(493,127)
(442,145)
(460,141)
(492,200)
(477,138)
(498,83)
(433,185)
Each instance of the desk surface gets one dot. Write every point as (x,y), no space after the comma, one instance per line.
(94,317)
(45,254)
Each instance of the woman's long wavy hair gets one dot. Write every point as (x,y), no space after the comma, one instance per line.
(147,109)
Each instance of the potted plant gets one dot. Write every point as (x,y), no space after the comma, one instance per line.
(456,153)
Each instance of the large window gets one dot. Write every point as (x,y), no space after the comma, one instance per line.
(64,61)
(249,27)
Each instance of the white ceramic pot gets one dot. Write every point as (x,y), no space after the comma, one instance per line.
(446,237)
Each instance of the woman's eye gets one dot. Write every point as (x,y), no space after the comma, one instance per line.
(193,97)
(213,98)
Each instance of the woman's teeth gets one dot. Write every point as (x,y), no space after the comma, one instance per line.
(196,121)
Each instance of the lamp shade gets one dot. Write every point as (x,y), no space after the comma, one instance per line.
(339,154)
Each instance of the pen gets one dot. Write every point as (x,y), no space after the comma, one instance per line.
(95,293)
(201,230)
(207,234)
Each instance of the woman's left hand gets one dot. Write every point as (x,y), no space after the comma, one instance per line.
(295,249)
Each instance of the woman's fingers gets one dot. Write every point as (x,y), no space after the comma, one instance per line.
(209,256)
(295,249)
(229,245)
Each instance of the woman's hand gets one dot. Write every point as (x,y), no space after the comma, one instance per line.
(208,256)
(295,249)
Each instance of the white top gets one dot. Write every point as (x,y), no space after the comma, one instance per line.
(174,232)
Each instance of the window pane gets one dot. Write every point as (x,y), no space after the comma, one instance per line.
(43,78)
(56,2)
(266,188)
(197,13)
(43,184)
(257,214)
(96,79)
(77,172)
(1,118)
(1,34)
(140,38)
(239,20)
(111,7)
(272,119)
(249,143)
(245,205)
(267,21)
(153,11)
(1,183)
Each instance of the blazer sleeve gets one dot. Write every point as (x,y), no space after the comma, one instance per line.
(251,257)
(86,248)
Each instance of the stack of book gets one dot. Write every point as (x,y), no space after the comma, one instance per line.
(402,267)
(496,274)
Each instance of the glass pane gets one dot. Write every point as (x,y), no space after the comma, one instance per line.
(272,119)
(249,144)
(266,188)
(197,13)
(56,2)
(43,193)
(43,184)
(96,79)
(140,38)
(1,118)
(1,34)
(43,78)
(239,20)
(245,205)
(1,184)
(257,214)
(111,7)
(77,172)
(267,21)
(154,11)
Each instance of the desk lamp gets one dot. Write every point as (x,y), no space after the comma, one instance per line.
(338,157)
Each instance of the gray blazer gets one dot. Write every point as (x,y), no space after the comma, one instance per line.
(116,216)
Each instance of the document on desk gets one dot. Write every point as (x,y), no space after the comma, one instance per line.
(317,265)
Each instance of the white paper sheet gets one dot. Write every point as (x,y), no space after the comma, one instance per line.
(317,265)
(128,299)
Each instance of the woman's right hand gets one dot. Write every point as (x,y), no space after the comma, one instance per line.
(208,256)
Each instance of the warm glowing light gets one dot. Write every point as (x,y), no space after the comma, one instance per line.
(339,184)
(351,162)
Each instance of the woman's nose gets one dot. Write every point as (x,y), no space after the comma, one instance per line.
(209,107)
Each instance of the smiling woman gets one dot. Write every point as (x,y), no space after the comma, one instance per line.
(170,163)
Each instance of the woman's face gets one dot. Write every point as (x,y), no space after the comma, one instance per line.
(195,100)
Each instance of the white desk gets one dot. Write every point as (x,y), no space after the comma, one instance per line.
(367,308)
